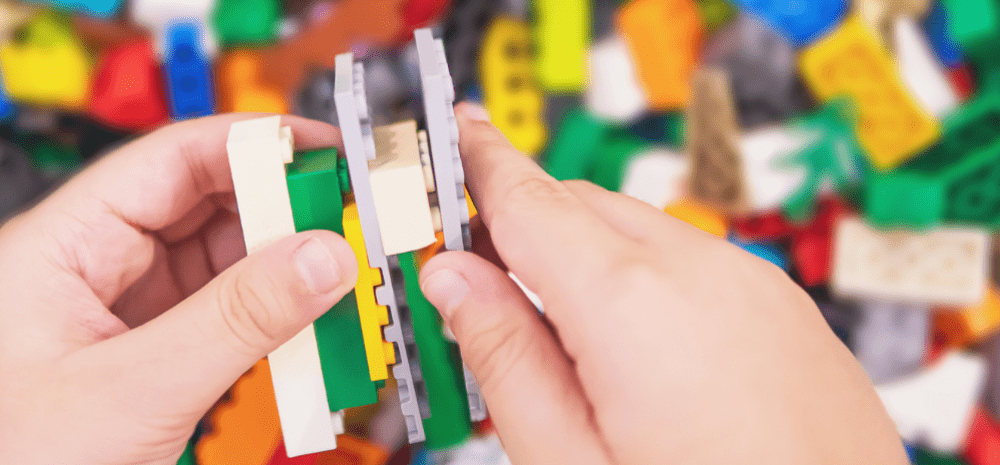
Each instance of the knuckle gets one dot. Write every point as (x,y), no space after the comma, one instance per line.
(249,309)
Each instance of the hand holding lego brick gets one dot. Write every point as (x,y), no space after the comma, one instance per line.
(128,310)
(657,340)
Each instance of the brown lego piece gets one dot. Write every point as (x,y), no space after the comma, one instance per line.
(716,165)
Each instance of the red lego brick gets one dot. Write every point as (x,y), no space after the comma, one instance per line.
(961,78)
(983,444)
(128,88)
(280,457)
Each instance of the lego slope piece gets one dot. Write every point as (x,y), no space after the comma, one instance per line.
(803,22)
(656,176)
(258,150)
(359,148)
(946,266)
(98,8)
(372,315)
(665,39)
(188,72)
(397,180)
(890,339)
(562,34)
(936,407)
(246,22)
(920,70)
(46,65)
(510,92)
(245,429)
(614,92)
(716,165)
(850,61)
(128,89)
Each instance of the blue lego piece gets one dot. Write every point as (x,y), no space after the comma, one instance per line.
(767,251)
(188,72)
(97,8)
(7,107)
(948,51)
(911,452)
(801,21)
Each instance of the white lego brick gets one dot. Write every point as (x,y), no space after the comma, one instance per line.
(944,266)
(397,180)
(936,407)
(158,15)
(614,92)
(258,150)
(657,177)
(920,69)
(768,185)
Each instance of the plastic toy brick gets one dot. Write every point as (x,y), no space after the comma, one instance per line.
(983,444)
(975,26)
(890,339)
(945,47)
(614,92)
(700,216)
(187,457)
(463,28)
(803,22)
(420,13)
(353,451)
(881,15)
(896,265)
(961,79)
(770,252)
(510,92)
(656,176)
(664,129)
(892,126)
(240,86)
(52,160)
(973,323)
(920,70)
(716,165)
(372,316)
(925,457)
(613,159)
(188,72)
(46,65)
(244,429)
(282,457)
(767,184)
(665,39)
(128,89)
(561,31)
(904,199)
(935,407)
(715,13)
(258,150)
(19,182)
(98,8)
(315,99)
(7,107)
(157,16)
(245,22)
(575,145)
(13,15)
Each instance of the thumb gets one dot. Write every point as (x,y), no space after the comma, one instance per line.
(187,357)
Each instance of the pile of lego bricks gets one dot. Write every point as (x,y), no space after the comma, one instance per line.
(845,142)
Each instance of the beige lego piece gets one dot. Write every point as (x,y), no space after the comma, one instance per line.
(716,167)
(399,189)
(880,15)
(944,266)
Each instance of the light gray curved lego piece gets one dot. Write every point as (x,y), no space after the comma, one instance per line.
(359,147)
(449,177)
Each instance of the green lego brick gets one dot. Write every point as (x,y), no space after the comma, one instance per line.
(904,199)
(53,160)
(715,13)
(449,423)
(188,458)
(925,457)
(575,145)
(612,160)
(972,127)
(246,22)
(975,25)
(314,190)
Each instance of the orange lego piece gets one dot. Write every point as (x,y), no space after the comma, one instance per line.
(964,326)
(372,315)
(240,88)
(665,39)
(244,430)
(699,216)
(892,126)
(353,451)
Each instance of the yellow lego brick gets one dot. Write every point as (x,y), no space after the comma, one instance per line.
(562,38)
(373,316)
(510,92)
(892,126)
(45,64)
(699,216)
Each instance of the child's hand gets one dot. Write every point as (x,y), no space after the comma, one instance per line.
(661,344)
(138,239)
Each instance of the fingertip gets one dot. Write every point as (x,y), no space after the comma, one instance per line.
(472,111)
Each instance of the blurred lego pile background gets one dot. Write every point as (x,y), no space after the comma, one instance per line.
(856,145)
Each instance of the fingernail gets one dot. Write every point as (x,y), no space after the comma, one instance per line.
(446,289)
(475,112)
(317,267)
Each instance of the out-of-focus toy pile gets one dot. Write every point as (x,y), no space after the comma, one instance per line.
(856,145)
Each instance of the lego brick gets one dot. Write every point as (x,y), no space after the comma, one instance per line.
(359,147)
(613,159)
(892,126)
(371,315)
(973,323)
(614,92)
(945,47)
(390,95)
(282,457)
(904,199)
(187,457)
(656,176)
(935,407)
(420,13)
(157,16)
(463,31)
(188,72)
(98,8)
(802,22)
(246,22)
(925,457)
(890,339)
(767,251)
(880,16)
(574,146)
(397,180)
(353,451)
(245,428)
(52,160)
(665,39)
(700,216)
(561,31)
(715,13)
(258,150)
(510,91)
(666,129)
(240,87)
(975,26)
(19,182)
(767,185)
(983,444)
(961,79)
(920,70)
(13,15)
(896,265)
(716,165)
(315,99)
(46,65)
(128,89)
